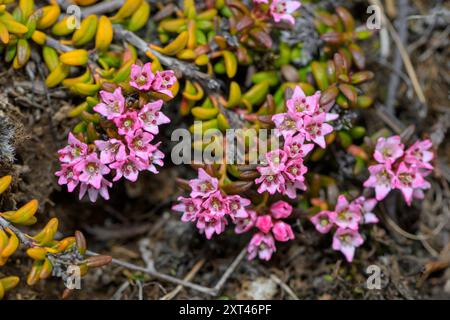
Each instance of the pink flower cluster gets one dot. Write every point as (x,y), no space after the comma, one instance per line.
(270,228)
(208,207)
(129,153)
(346,219)
(304,117)
(400,169)
(303,122)
(143,79)
(281,9)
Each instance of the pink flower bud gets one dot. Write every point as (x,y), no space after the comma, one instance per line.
(264,223)
(282,231)
(280,209)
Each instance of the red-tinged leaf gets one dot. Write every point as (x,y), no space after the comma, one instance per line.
(342,101)
(358,56)
(98,261)
(66,294)
(242,55)
(344,78)
(237,187)
(347,56)
(340,64)
(333,37)
(346,17)
(328,19)
(266,119)
(290,73)
(80,241)
(203,49)
(328,97)
(262,37)
(331,71)
(23,51)
(249,167)
(361,77)
(320,74)
(357,152)
(349,92)
(249,175)
(244,23)
(239,6)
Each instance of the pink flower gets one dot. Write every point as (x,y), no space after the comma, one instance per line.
(111,150)
(155,158)
(285,123)
(381,178)
(189,207)
(406,180)
(264,223)
(68,175)
(262,245)
(74,152)
(280,209)
(295,146)
(276,160)
(323,221)
(418,192)
(216,204)
(127,123)
(94,192)
(164,81)
(210,224)
(245,223)
(290,188)
(139,144)
(388,150)
(346,240)
(204,186)
(299,104)
(295,170)
(236,206)
(151,116)
(128,168)
(270,181)
(315,129)
(366,207)
(260,1)
(282,10)
(347,215)
(92,171)
(419,155)
(112,105)
(142,77)
(282,231)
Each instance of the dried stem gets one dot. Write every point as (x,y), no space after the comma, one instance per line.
(394,80)
(214,291)
(55,44)
(191,274)
(5,224)
(102,7)
(403,52)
